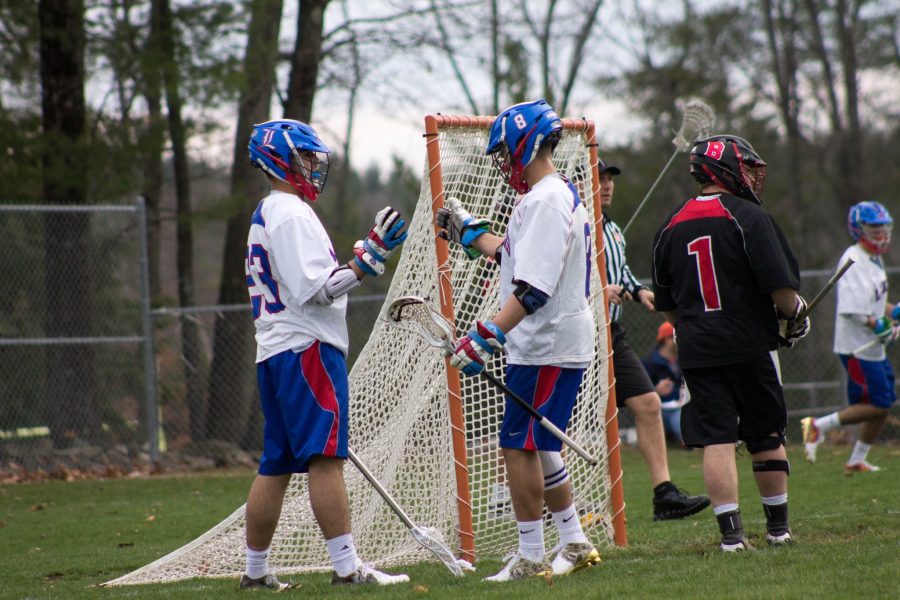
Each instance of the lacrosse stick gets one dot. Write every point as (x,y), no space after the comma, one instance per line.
(825,289)
(414,314)
(696,122)
(429,537)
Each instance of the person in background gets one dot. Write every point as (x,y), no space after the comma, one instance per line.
(864,315)
(662,367)
(633,387)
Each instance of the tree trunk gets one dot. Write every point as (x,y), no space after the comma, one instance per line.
(191,350)
(305,60)
(72,405)
(231,376)
(853,178)
(153,140)
(781,31)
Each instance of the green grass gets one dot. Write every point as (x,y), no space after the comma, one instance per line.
(57,539)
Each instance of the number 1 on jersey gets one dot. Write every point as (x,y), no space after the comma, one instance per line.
(701,250)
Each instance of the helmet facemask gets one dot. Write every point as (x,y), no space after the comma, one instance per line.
(308,172)
(876,237)
(510,165)
(753,175)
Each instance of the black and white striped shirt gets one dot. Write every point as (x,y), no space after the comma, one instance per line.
(617,271)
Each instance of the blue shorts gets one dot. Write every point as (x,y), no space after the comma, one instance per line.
(304,400)
(552,391)
(869,381)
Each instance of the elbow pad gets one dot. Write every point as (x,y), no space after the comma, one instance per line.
(530,297)
(341,281)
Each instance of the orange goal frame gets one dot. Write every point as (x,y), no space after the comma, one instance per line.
(433,125)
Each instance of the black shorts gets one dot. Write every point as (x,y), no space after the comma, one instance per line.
(631,377)
(741,401)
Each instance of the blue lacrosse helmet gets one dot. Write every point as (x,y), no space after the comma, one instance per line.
(292,152)
(516,136)
(870,224)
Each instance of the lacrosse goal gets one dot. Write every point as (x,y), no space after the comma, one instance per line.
(428,434)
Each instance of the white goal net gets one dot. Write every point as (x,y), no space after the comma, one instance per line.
(429,435)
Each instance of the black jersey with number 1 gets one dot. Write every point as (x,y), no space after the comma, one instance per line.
(716,259)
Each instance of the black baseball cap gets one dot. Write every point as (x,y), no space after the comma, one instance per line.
(604,167)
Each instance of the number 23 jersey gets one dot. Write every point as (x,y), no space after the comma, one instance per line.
(716,259)
(289,258)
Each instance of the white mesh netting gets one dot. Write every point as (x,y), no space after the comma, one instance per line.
(400,417)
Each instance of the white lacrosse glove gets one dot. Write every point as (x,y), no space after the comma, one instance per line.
(458,226)
(790,328)
(383,238)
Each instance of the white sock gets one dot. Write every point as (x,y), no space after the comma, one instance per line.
(724,508)
(860,452)
(828,422)
(342,551)
(774,500)
(257,563)
(569,526)
(531,540)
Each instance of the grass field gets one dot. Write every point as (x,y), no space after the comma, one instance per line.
(58,539)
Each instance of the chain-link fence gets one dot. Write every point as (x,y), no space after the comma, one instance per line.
(75,337)
(94,380)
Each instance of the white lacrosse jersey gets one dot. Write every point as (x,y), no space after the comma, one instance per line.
(861,292)
(289,258)
(548,246)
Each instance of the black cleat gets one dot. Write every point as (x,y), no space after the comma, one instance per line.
(672,503)
(266,582)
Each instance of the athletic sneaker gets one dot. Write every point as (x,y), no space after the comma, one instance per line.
(780,539)
(365,574)
(673,503)
(735,545)
(812,437)
(860,467)
(575,557)
(519,567)
(266,582)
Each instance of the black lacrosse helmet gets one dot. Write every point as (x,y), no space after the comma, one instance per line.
(731,163)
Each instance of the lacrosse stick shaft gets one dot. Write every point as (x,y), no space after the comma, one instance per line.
(872,343)
(546,423)
(650,191)
(380,489)
(825,289)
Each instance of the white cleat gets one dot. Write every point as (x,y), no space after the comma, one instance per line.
(519,567)
(780,539)
(366,574)
(739,546)
(575,557)
(812,437)
(860,467)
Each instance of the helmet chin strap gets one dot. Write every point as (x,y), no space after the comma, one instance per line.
(303,186)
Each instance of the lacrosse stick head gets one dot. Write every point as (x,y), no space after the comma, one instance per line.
(415,314)
(696,122)
(432,540)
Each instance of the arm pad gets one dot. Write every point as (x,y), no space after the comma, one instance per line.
(341,281)
(530,297)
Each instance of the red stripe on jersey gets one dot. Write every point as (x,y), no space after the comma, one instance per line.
(695,208)
(543,389)
(323,390)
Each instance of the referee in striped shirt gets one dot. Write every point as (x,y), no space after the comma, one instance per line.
(633,386)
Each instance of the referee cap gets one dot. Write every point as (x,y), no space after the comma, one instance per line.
(605,167)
